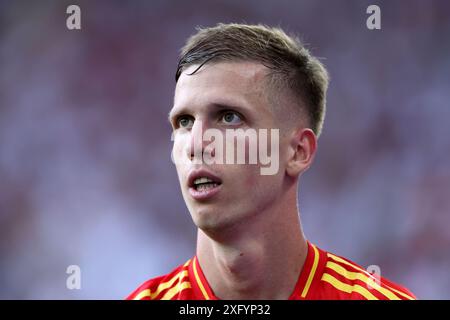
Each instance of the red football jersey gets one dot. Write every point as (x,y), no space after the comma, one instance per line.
(324,276)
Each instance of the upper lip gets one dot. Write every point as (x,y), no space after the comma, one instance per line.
(195,174)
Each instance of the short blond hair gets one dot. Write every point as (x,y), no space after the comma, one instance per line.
(291,64)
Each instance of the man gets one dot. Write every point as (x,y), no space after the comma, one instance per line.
(250,244)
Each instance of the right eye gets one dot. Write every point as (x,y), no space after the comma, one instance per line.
(185,122)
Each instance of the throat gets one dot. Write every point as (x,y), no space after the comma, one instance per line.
(251,268)
(245,271)
(243,275)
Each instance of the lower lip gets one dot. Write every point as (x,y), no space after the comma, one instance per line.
(205,194)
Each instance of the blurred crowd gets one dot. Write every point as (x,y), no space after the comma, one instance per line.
(85,172)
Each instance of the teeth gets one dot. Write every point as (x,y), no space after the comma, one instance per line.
(202,180)
(204,187)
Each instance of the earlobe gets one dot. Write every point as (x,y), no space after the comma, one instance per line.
(302,151)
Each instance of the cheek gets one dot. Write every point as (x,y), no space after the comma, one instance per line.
(249,176)
(252,176)
(256,191)
(178,156)
(257,183)
(177,148)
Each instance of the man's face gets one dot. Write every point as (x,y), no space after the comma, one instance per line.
(223,96)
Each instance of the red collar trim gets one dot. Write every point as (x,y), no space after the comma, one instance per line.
(307,278)
(200,286)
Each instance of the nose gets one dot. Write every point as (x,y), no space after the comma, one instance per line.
(197,144)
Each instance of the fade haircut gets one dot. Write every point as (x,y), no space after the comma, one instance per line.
(290,63)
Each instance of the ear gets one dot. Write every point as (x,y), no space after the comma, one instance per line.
(303,147)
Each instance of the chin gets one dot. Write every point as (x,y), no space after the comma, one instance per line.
(206,219)
(213,221)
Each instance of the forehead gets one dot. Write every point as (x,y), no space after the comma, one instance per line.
(241,83)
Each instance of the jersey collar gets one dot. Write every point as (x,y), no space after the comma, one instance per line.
(306,280)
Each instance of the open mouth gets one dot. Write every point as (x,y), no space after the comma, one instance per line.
(204,184)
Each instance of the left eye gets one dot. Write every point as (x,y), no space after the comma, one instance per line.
(231,118)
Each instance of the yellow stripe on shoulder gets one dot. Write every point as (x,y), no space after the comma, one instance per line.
(177,289)
(187,263)
(371,282)
(348,288)
(312,273)
(143,294)
(147,293)
(199,282)
(403,294)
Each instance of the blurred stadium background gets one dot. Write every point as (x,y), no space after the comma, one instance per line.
(85,170)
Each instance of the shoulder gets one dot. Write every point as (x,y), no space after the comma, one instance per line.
(164,287)
(341,278)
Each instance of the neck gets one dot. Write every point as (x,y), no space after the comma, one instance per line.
(259,259)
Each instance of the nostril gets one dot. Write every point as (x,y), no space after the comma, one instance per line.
(195,148)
